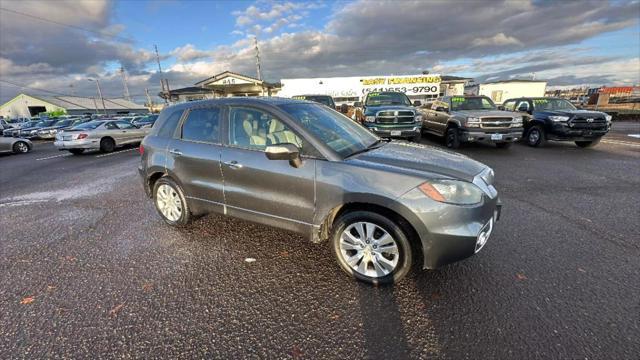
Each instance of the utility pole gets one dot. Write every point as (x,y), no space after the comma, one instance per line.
(73,91)
(96,105)
(100,94)
(164,91)
(124,82)
(146,91)
(258,67)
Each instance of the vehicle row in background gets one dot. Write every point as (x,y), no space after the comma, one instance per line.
(103,135)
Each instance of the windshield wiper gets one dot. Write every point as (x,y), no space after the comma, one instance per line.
(376,144)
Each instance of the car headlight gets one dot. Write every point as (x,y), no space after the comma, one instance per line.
(370,118)
(558,118)
(452,191)
(608,117)
(33,132)
(418,118)
(473,120)
(517,121)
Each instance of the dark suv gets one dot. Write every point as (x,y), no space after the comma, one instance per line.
(303,167)
(557,119)
(391,114)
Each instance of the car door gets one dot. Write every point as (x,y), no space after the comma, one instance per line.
(128,132)
(440,116)
(194,157)
(272,192)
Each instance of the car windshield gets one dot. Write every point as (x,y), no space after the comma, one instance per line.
(337,131)
(88,125)
(471,103)
(552,104)
(64,122)
(390,98)
(44,123)
(29,124)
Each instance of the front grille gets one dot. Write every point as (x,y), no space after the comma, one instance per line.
(495,122)
(395,117)
(590,123)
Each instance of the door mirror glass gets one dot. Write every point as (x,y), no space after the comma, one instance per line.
(441,109)
(417,103)
(284,151)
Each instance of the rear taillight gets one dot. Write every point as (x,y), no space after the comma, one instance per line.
(141,149)
(82,136)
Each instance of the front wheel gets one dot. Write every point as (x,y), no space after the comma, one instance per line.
(170,202)
(107,145)
(20,147)
(535,136)
(586,144)
(452,139)
(371,247)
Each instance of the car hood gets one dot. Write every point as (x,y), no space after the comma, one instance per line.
(482,113)
(421,158)
(571,113)
(372,110)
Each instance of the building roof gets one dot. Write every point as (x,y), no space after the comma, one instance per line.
(84,103)
(515,80)
(453,78)
(232,74)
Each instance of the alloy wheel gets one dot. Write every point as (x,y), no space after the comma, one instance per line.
(369,249)
(534,136)
(22,147)
(168,202)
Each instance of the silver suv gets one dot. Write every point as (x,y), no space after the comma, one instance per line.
(303,167)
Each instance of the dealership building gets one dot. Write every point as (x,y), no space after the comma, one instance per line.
(347,89)
(26,106)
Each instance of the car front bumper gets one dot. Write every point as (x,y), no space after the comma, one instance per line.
(449,233)
(486,135)
(77,144)
(561,132)
(395,131)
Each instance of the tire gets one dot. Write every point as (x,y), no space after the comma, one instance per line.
(76,151)
(536,136)
(416,138)
(366,264)
(587,144)
(164,191)
(21,147)
(452,138)
(107,145)
(503,145)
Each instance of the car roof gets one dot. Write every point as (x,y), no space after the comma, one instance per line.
(323,95)
(273,101)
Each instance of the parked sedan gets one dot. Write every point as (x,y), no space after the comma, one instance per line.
(32,132)
(306,168)
(25,124)
(145,121)
(16,146)
(51,131)
(103,135)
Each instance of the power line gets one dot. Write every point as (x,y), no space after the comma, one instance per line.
(67,25)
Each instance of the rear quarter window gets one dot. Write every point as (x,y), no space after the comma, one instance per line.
(168,127)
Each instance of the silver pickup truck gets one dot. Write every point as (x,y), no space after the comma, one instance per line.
(471,119)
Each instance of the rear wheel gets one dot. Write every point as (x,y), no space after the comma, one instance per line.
(586,144)
(107,145)
(371,247)
(503,145)
(535,136)
(170,202)
(76,151)
(452,138)
(20,147)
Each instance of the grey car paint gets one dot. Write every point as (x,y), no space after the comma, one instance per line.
(7,144)
(245,184)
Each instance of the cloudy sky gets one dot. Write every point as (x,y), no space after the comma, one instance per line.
(55,46)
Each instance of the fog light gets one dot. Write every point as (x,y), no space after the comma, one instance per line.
(484,235)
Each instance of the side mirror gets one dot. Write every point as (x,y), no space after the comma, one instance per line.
(357,104)
(501,107)
(284,151)
(417,103)
(441,109)
(523,109)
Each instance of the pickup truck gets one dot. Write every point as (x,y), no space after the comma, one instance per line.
(391,115)
(557,119)
(471,119)
(322,99)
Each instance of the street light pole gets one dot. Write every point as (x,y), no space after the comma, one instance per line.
(100,94)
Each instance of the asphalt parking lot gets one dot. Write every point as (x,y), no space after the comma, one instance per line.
(88,270)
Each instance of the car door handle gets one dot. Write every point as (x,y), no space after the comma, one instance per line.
(233,164)
(175,152)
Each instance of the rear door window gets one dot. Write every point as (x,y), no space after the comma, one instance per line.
(169,126)
(202,125)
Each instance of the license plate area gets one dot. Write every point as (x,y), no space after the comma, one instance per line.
(496,136)
(396,132)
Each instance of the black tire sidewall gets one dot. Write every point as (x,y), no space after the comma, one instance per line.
(18,151)
(405,261)
(186,215)
(455,143)
(540,138)
(104,147)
